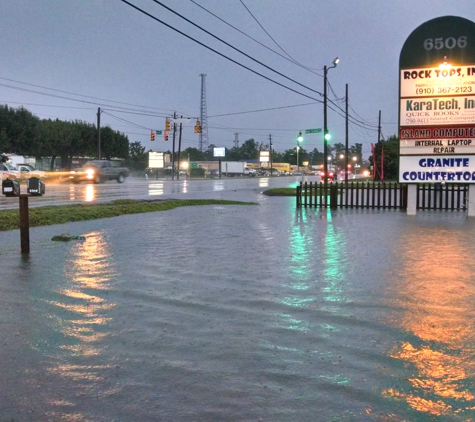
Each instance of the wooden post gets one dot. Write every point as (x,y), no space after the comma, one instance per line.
(24,224)
(334,195)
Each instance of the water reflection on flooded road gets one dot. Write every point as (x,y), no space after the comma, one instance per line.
(435,291)
(80,322)
(233,313)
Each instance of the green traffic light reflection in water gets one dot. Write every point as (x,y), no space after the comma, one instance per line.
(324,289)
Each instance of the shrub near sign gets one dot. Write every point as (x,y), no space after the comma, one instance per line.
(437,103)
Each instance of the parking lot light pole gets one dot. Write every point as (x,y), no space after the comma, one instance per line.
(325,123)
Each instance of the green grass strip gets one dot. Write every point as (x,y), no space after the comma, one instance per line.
(60,214)
(281,192)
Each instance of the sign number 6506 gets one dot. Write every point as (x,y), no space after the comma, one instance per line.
(450,42)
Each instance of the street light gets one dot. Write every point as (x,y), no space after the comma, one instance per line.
(326,135)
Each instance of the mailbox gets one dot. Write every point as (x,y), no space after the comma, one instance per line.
(35,186)
(10,188)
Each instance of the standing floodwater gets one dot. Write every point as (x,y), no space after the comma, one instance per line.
(241,313)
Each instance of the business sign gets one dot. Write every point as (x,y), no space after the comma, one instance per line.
(219,151)
(155,160)
(451,169)
(437,102)
(437,140)
(264,156)
(437,111)
(443,80)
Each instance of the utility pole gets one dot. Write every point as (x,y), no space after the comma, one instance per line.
(326,134)
(270,153)
(179,151)
(203,116)
(379,127)
(173,146)
(381,167)
(325,130)
(346,137)
(99,133)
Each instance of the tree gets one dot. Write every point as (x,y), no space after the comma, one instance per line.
(113,144)
(290,156)
(194,153)
(357,151)
(20,130)
(233,154)
(209,153)
(390,160)
(138,158)
(249,150)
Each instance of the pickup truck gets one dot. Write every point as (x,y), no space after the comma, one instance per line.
(27,171)
(99,171)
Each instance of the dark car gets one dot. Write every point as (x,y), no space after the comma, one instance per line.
(99,171)
(331,175)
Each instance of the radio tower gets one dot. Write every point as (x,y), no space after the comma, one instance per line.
(203,116)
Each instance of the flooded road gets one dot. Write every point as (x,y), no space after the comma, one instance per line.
(136,188)
(241,313)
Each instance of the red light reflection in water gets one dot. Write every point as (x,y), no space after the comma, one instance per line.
(435,293)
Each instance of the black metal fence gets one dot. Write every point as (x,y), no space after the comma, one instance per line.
(442,197)
(380,195)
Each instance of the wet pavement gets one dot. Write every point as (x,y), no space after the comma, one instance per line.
(140,188)
(241,313)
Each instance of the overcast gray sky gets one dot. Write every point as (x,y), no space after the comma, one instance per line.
(65,58)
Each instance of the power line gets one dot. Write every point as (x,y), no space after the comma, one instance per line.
(261,110)
(215,51)
(234,48)
(113,108)
(253,39)
(126,121)
(355,120)
(116,108)
(78,95)
(46,105)
(270,36)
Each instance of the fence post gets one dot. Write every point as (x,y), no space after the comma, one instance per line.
(24,225)
(334,195)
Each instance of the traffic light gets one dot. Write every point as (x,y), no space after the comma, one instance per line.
(168,125)
(327,136)
(165,135)
(197,127)
(152,136)
(300,138)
